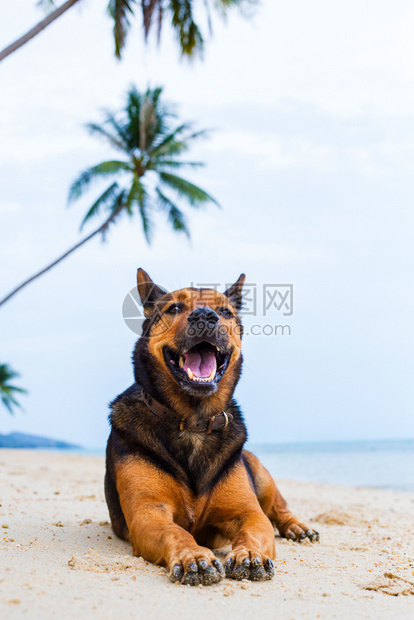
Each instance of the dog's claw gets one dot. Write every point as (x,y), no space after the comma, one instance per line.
(191,577)
(257,572)
(255,569)
(177,573)
(269,569)
(209,576)
(202,573)
(228,567)
(240,572)
(219,567)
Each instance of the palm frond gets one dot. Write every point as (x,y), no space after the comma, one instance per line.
(8,391)
(209,22)
(187,31)
(104,199)
(133,110)
(46,5)
(222,6)
(177,221)
(120,10)
(9,402)
(175,215)
(201,133)
(144,209)
(174,148)
(149,9)
(116,208)
(6,373)
(159,146)
(178,142)
(14,388)
(120,129)
(83,182)
(138,196)
(192,193)
(176,163)
(115,141)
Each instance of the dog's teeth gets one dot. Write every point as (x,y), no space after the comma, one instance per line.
(193,377)
(181,361)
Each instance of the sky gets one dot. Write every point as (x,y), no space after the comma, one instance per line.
(311,157)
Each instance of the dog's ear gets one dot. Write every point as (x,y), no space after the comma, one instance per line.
(147,289)
(235,291)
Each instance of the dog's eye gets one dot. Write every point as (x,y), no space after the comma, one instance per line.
(225,312)
(174,309)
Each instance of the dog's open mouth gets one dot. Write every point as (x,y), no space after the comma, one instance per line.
(202,364)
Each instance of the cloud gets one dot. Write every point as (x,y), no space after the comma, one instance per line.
(9,206)
(294,135)
(272,151)
(20,148)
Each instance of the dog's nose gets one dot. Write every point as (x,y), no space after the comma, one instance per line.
(205,315)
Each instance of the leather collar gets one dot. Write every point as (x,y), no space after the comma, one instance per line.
(215,423)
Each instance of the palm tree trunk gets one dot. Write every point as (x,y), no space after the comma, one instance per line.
(38,28)
(101,228)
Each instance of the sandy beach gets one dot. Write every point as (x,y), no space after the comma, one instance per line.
(60,559)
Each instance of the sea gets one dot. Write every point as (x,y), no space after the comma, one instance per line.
(383,464)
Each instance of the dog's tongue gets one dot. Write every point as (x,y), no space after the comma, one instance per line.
(201,363)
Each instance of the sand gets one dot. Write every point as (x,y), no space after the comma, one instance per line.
(60,559)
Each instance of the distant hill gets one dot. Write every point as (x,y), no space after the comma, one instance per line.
(21,440)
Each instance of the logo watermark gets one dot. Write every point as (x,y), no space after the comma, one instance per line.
(262,304)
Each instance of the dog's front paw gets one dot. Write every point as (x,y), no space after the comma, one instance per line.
(197,568)
(244,564)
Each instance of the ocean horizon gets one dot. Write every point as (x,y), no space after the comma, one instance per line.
(383,464)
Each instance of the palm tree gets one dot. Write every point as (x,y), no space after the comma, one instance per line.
(7,391)
(180,12)
(143,181)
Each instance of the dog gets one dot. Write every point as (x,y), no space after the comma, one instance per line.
(178,482)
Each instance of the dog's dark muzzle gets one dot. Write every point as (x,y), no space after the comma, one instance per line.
(202,323)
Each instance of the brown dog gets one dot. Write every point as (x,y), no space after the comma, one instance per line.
(178,482)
